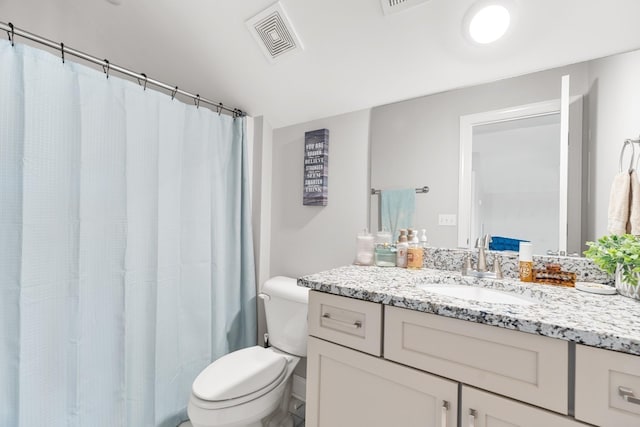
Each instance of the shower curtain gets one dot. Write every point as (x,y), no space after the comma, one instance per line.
(126,259)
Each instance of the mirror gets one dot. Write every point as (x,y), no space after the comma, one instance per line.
(513,173)
(515,168)
(416,143)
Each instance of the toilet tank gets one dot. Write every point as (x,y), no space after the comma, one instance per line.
(285,307)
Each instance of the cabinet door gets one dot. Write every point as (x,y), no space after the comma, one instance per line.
(346,388)
(607,387)
(483,409)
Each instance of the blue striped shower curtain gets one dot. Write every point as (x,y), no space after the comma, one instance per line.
(126,259)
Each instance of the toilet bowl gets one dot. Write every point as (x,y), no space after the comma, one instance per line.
(241,388)
(251,387)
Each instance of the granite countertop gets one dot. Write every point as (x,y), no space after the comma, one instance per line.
(606,321)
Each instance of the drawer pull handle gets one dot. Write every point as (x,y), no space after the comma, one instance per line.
(472,417)
(445,409)
(627,394)
(355,325)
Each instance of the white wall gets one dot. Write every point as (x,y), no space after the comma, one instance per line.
(417,142)
(308,239)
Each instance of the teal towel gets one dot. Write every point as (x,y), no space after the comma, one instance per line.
(397,208)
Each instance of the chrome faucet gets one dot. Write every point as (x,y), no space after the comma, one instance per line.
(482,243)
(481,271)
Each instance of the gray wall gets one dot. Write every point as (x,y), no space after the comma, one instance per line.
(308,239)
(506,203)
(417,142)
(614,115)
(261,207)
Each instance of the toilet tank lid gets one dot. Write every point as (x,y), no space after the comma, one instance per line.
(286,288)
(238,374)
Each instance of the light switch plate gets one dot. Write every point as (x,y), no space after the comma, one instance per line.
(447,219)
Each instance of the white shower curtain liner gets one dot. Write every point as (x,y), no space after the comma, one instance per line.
(126,259)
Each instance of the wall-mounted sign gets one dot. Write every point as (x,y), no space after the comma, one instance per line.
(316,167)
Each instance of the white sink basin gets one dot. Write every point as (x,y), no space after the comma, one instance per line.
(475,293)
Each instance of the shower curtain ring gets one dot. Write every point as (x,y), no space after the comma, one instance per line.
(11,35)
(106,67)
(219,108)
(145,81)
(62,51)
(197,101)
(173,93)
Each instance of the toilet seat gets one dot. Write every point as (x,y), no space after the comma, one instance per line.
(239,377)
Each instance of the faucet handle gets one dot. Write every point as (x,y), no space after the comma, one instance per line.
(487,239)
(497,268)
(466,266)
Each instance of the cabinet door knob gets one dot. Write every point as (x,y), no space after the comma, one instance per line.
(355,325)
(445,409)
(472,417)
(627,394)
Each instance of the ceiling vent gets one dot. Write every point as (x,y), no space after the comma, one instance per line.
(393,6)
(274,33)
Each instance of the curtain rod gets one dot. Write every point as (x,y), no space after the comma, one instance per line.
(142,78)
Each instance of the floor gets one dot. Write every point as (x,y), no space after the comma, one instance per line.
(298,419)
(297,410)
(297,422)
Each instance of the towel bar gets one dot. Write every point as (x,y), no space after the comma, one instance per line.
(424,189)
(421,190)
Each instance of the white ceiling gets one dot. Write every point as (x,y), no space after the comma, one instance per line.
(355,57)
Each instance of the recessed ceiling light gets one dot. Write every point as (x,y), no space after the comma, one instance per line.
(489,24)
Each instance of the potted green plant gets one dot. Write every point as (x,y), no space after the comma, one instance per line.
(619,256)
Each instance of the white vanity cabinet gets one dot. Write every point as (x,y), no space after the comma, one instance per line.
(379,366)
(607,387)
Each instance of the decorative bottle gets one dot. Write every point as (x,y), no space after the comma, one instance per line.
(526,262)
(414,255)
(364,249)
(401,250)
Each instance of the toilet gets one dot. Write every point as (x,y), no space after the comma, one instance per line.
(251,387)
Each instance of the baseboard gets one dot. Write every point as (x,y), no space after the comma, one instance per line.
(299,388)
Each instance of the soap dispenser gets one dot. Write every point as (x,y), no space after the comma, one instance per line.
(423,238)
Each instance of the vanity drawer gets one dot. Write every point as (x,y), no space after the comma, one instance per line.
(602,377)
(526,367)
(350,322)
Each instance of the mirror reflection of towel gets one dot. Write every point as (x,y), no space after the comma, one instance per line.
(619,198)
(397,209)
